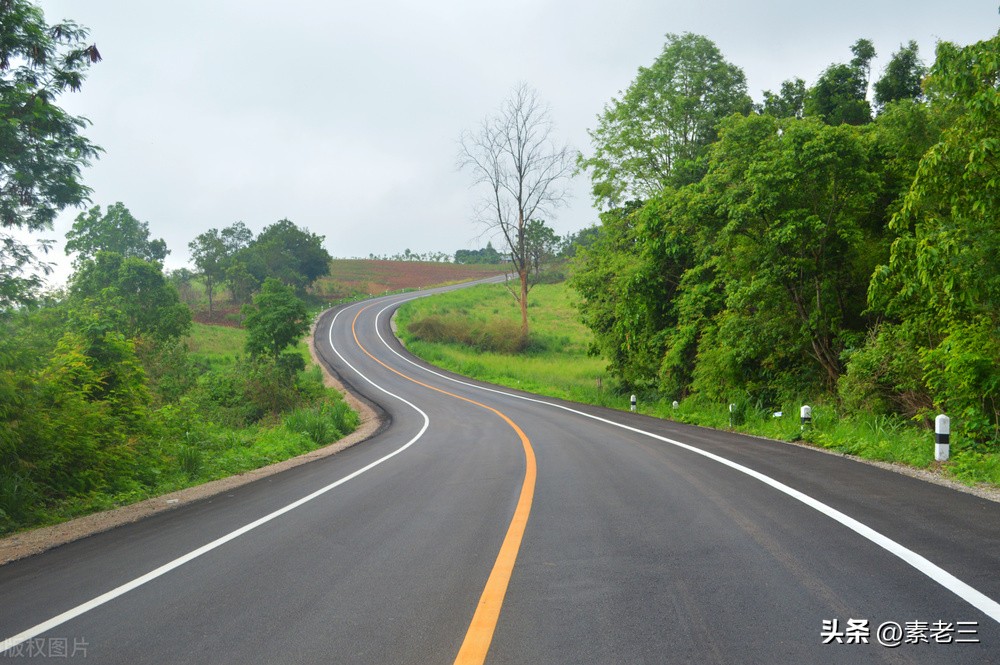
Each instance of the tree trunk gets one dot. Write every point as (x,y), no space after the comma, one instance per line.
(523,274)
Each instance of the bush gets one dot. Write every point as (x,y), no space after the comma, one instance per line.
(884,376)
(494,335)
(323,424)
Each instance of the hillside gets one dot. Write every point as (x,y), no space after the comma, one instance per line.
(350,278)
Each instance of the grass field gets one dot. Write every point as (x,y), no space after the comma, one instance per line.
(215,343)
(557,364)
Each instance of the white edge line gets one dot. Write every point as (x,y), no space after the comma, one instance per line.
(34,631)
(964,591)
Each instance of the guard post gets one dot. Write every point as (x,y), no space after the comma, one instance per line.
(805,417)
(942,438)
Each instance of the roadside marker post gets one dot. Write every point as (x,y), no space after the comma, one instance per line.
(633,404)
(805,417)
(942,438)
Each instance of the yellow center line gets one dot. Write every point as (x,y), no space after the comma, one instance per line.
(484,622)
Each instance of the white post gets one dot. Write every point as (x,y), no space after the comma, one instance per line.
(731,407)
(675,404)
(633,403)
(805,416)
(942,436)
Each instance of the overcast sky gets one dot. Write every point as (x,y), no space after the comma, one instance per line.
(344,117)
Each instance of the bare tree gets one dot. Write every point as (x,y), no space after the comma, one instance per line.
(515,161)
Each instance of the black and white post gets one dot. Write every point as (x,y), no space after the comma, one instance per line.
(942,438)
(805,417)
(633,403)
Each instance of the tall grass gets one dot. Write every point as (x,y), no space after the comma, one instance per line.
(215,344)
(323,424)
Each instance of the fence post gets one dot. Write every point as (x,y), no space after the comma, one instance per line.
(942,436)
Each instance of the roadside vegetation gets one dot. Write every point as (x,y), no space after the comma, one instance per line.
(96,416)
(820,247)
(458,330)
(108,394)
(476,332)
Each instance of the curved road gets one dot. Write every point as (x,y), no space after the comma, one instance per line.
(486,522)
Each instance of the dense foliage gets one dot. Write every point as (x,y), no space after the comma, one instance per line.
(487,255)
(819,251)
(101,401)
(116,230)
(234,257)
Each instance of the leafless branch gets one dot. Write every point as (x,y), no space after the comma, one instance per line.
(520,171)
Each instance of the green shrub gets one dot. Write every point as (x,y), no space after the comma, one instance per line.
(19,500)
(323,424)
(189,457)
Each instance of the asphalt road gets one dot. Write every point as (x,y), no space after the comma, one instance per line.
(482,521)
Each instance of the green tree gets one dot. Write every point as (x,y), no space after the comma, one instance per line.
(276,319)
(864,53)
(623,301)
(109,370)
(236,237)
(841,93)
(133,293)
(241,283)
(116,230)
(656,135)
(486,255)
(208,251)
(788,103)
(214,254)
(902,77)
(797,203)
(42,150)
(541,243)
(288,253)
(839,97)
(942,276)
(572,243)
